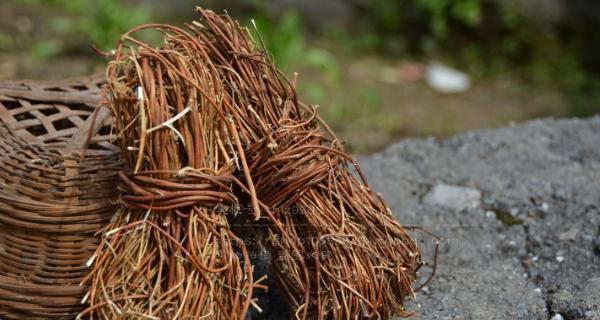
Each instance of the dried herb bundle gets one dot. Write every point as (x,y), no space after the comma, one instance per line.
(207,116)
(169,252)
(338,251)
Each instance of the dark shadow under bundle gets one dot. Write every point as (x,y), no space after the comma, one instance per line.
(205,115)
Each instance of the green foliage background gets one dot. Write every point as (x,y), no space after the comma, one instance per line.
(483,37)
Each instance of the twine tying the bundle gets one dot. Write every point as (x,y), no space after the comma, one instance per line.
(176,189)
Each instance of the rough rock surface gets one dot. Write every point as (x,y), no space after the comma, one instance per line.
(526,242)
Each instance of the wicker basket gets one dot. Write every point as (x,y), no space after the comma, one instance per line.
(57,190)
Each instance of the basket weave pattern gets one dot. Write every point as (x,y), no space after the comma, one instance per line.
(58,177)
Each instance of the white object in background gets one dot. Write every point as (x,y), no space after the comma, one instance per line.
(453,197)
(557,316)
(444,79)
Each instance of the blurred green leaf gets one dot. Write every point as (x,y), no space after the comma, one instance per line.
(439,25)
(283,39)
(467,11)
(316,92)
(326,63)
(370,98)
(45,49)
(6,42)
(62,25)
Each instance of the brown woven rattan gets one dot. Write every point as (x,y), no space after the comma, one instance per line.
(58,176)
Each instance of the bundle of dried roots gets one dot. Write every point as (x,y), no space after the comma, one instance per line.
(338,253)
(207,116)
(169,253)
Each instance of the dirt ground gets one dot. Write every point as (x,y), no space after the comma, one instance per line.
(411,108)
(518,212)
